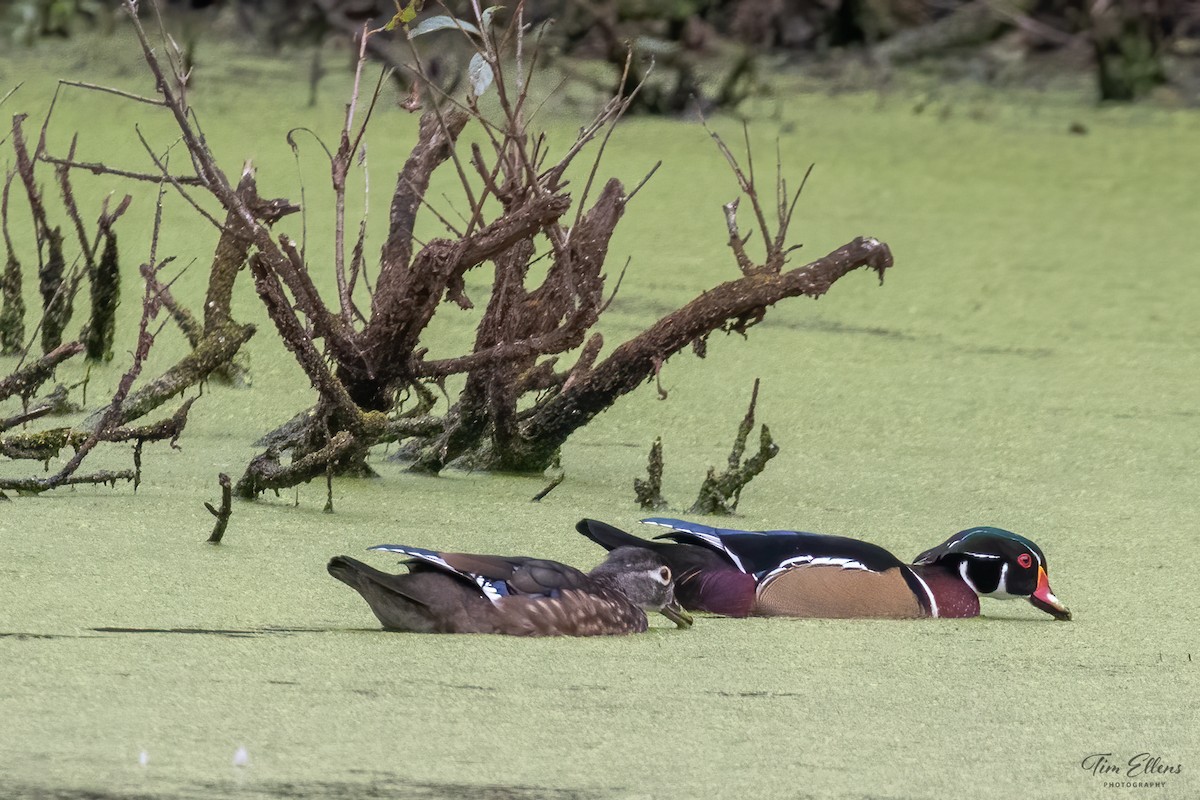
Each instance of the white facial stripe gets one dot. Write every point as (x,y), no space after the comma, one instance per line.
(1001,591)
(1002,586)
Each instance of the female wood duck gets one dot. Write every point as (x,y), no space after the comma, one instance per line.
(463,593)
(794,574)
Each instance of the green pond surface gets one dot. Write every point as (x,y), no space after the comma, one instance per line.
(1032,362)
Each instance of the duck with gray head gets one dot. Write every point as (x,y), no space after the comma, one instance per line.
(517,596)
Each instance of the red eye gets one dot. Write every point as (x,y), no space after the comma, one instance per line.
(1025,560)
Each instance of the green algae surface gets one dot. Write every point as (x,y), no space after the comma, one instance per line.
(1031,362)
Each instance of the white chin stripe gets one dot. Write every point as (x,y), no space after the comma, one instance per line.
(1001,592)
(933,606)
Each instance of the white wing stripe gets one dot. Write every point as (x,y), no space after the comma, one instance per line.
(412,552)
(814,561)
(708,538)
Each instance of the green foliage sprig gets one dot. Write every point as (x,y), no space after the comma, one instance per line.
(479,71)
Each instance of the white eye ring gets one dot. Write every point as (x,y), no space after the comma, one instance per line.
(664,575)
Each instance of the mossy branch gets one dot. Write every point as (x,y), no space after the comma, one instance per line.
(649,491)
(39,485)
(266,473)
(26,381)
(44,445)
(214,350)
(12,302)
(719,494)
(106,296)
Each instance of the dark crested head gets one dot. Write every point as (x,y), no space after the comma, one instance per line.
(645,579)
(998,563)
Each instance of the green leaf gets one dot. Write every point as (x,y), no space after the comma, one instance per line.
(654,46)
(404,14)
(487,15)
(441,22)
(480,74)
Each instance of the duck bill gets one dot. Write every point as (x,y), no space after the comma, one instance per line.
(1044,599)
(674,612)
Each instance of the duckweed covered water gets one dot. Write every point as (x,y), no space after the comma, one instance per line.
(1031,362)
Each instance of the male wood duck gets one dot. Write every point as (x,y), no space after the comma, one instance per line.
(795,574)
(464,593)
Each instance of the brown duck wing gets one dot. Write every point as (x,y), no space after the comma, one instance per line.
(531,576)
(496,576)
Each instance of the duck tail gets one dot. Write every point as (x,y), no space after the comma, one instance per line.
(349,571)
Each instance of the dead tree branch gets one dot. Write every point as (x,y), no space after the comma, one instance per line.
(47,444)
(734,305)
(649,491)
(213,351)
(266,473)
(26,381)
(516,405)
(39,485)
(12,302)
(226,509)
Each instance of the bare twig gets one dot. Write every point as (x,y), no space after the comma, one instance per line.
(104,169)
(554,482)
(112,414)
(226,509)
(187,323)
(178,186)
(645,179)
(110,90)
(37,412)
